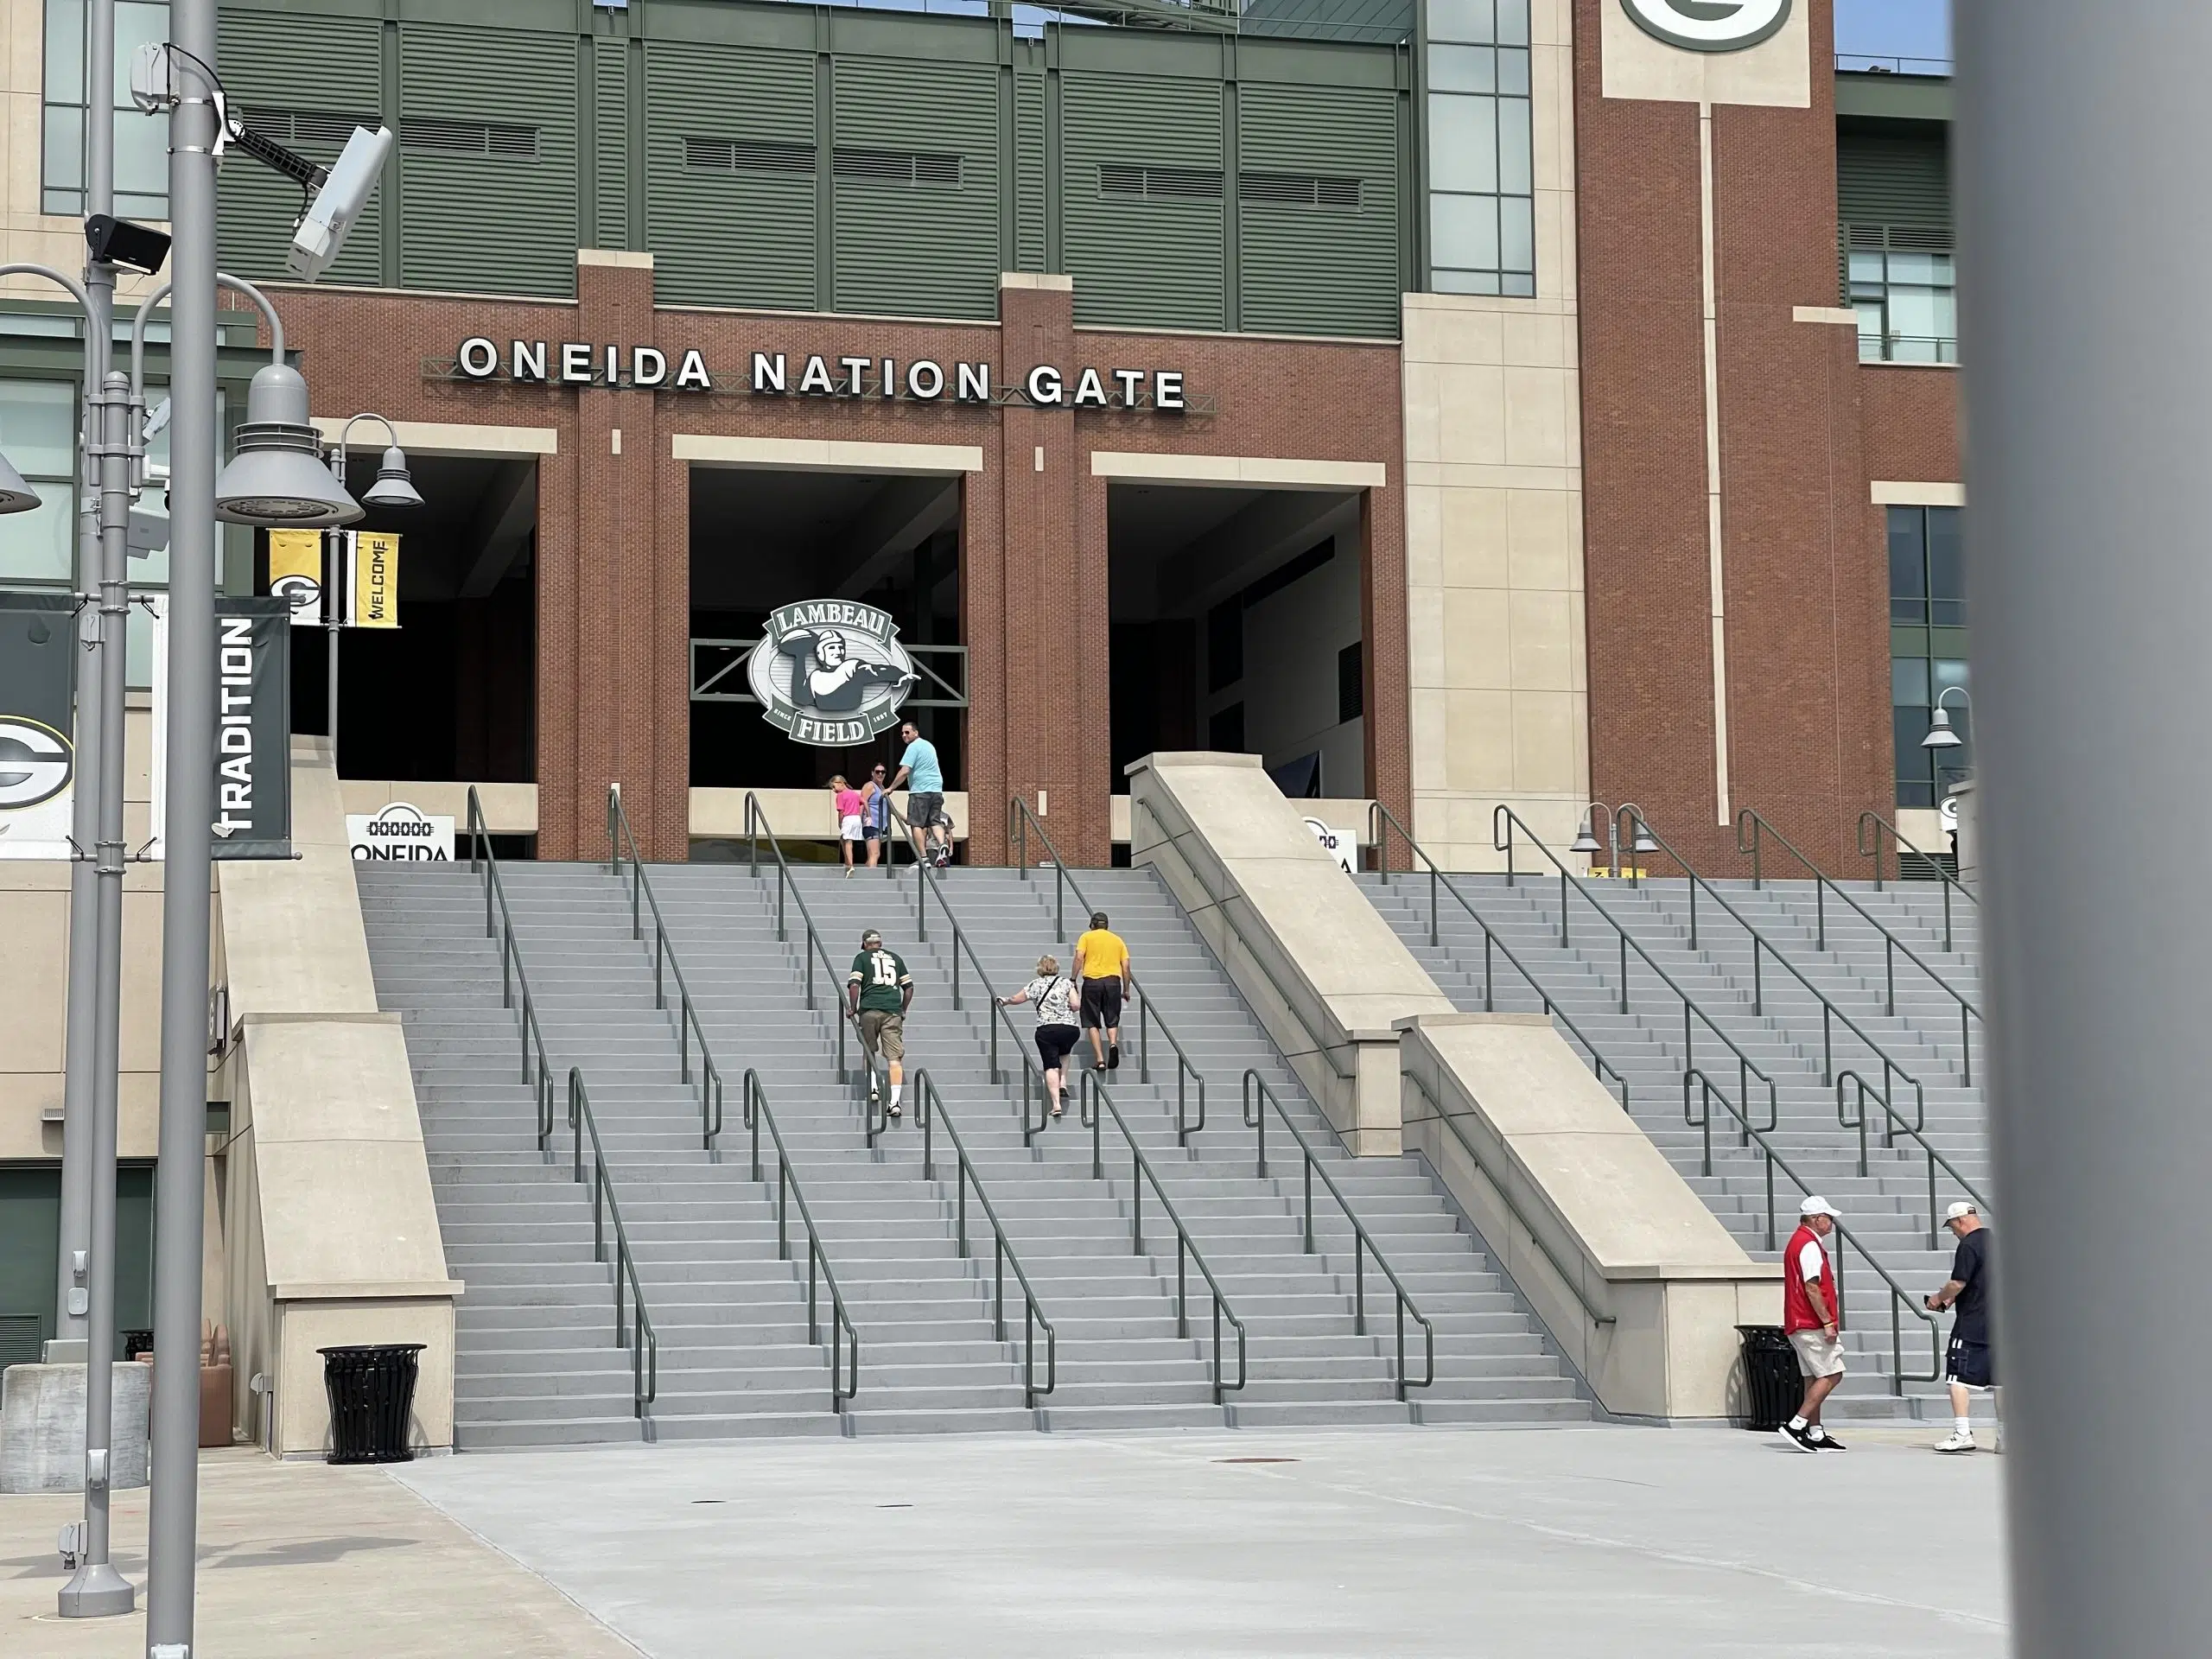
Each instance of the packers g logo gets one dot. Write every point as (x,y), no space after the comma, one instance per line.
(35,763)
(303,592)
(1709,25)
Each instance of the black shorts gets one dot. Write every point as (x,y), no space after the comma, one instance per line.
(1102,1004)
(925,811)
(1970,1362)
(873,832)
(1053,1043)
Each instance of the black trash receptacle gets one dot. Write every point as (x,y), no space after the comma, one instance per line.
(372,1391)
(1772,1386)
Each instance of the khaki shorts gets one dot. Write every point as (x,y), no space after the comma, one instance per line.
(1818,1353)
(884,1033)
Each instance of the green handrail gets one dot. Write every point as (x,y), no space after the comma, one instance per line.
(1094,1095)
(637,1333)
(1257,1098)
(618,836)
(844,1337)
(1381,821)
(1020,822)
(929,1108)
(1893,1127)
(1504,820)
(1760,830)
(1879,824)
(756,821)
(1899,1296)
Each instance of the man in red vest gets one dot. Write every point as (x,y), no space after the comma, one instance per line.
(1812,1316)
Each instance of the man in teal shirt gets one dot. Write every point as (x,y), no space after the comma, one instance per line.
(925,817)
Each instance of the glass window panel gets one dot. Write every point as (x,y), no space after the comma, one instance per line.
(138,646)
(1513,71)
(35,546)
(135,23)
(1921,313)
(1948,671)
(142,158)
(1908,555)
(1866,268)
(1463,68)
(1513,22)
(1947,576)
(38,427)
(1909,726)
(65,156)
(1513,128)
(1462,231)
(1908,681)
(1463,146)
(1925,269)
(1462,19)
(1468,282)
(1869,330)
(1517,235)
(1521,285)
(64,51)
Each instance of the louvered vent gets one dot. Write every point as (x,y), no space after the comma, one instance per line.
(908,167)
(306,129)
(506,140)
(1300,190)
(1160,184)
(747,155)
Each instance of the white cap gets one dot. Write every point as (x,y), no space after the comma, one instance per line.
(1817,1205)
(1958,1211)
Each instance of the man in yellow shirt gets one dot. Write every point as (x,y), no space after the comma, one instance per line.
(1102,971)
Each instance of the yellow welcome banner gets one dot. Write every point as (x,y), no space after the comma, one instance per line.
(375,562)
(295,572)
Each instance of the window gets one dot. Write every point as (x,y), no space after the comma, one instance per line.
(1906,297)
(1351,683)
(142,161)
(38,432)
(1928,649)
(1482,201)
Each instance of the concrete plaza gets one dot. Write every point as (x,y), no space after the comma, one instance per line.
(1583,1541)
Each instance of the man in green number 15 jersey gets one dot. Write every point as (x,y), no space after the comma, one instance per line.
(880,990)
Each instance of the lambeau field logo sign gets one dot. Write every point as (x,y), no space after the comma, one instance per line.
(1709,25)
(830,672)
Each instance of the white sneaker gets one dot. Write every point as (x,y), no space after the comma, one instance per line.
(1955,1442)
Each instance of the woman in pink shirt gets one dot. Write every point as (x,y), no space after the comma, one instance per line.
(849,816)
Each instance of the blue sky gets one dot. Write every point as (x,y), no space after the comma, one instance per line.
(1894,29)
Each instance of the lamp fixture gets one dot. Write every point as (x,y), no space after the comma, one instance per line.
(277,477)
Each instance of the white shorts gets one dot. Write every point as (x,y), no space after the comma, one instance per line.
(1818,1353)
(849,829)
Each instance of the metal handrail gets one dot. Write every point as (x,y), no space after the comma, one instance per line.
(843,1383)
(1019,820)
(929,1109)
(1466,1144)
(756,821)
(1381,821)
(645,1352)
(500,924)
(1257,1098)
(1897,836)
(1760,829)
(687,1023)
(538,1070)
(1829,1011)
(1316,1031)
(1187,1247)
(1893,1126)
(1899,1296)
(1502,825)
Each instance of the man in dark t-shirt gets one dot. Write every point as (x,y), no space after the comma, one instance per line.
(1971,1363)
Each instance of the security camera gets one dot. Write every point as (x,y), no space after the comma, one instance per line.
(346,191)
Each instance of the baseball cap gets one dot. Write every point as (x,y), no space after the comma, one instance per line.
(1817,1205)
(1958,1212)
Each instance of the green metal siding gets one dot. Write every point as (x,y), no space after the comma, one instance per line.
(745,236)
(262,55)
(1141,259)
(929,247)
(610,143)
(501,223)
(1328,266)
(1883,181)
(1029,206)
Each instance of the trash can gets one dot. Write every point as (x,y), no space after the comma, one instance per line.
(372,1391)
(1772,1386)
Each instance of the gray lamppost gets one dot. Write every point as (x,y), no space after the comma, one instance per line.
(1940,737)
(393,488)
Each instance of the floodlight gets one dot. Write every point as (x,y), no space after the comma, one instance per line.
(343,193)
(118,242)
(277,477)
(16,496)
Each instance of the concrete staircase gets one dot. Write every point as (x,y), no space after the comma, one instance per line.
(1889,1206)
